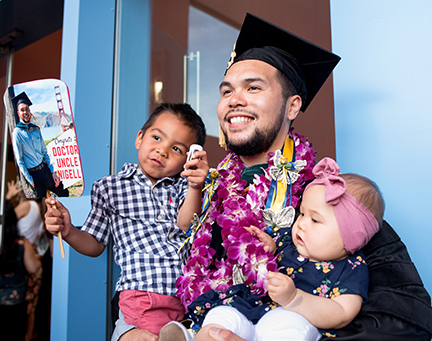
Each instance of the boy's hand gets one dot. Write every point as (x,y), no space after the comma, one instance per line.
(196,176)
(196,171)
(265,238)
(57,218)
(281,288)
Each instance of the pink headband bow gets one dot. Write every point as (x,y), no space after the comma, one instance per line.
(356,223)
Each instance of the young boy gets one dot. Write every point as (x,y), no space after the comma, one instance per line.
(145,207)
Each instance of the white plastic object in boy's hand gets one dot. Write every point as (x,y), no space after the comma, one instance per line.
(192,149)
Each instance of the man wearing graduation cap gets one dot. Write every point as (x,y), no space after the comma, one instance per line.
(31,154)
(272,76)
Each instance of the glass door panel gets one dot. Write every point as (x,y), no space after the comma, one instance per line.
(209,44)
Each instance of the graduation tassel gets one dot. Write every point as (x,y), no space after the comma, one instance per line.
(222,141)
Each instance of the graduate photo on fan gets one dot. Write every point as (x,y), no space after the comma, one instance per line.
(43,138)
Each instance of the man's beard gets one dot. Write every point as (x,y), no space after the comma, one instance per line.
(260,141)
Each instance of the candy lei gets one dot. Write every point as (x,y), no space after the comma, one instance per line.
(234,207)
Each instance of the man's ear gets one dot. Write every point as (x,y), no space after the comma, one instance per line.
(138,139)
(293,107)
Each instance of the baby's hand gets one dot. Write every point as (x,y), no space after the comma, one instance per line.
(281,288)
(196,170)
(264,238)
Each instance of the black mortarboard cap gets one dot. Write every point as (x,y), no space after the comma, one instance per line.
(306,65)
(21,98)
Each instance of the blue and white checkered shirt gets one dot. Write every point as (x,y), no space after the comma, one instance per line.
(142,220)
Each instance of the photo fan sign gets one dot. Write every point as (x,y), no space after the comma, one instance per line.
(44,140)
(50,113)
(63,150)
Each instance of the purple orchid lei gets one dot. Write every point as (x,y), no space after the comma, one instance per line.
(234,207)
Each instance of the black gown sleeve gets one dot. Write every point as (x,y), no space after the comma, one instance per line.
(398,307)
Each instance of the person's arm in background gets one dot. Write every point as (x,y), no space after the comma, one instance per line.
(13,189)
(32,260)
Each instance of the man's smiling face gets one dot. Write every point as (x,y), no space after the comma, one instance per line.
(24,113)
(251,110)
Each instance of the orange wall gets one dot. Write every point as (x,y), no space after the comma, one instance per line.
(39,60)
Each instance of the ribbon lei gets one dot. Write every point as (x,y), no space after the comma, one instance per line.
(209,191)
(281,188)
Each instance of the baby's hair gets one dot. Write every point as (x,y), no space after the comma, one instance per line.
(367,192)
(184,113)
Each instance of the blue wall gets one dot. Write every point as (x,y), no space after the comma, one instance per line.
(107,73)
(79,282)
(132,76)
(383,109)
